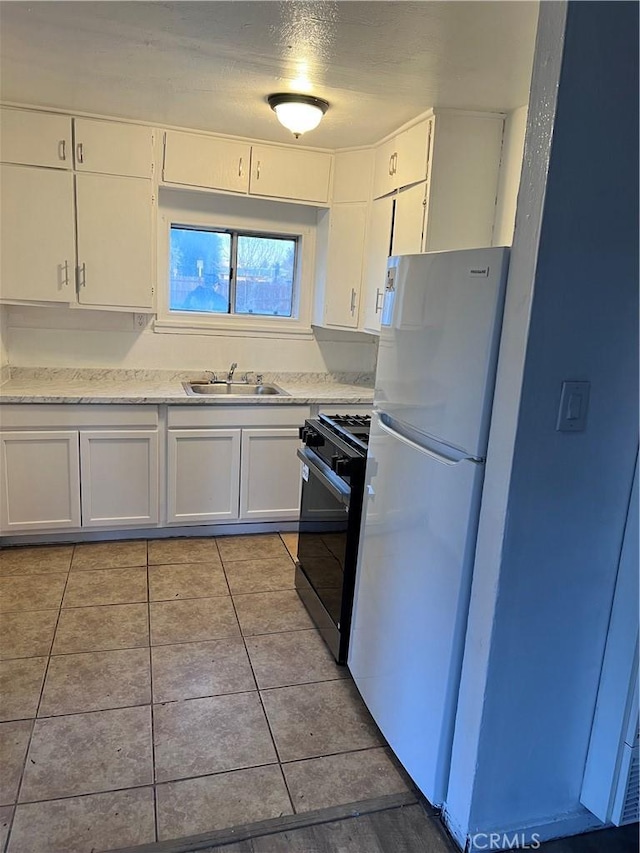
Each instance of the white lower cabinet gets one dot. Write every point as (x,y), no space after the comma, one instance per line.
(119,478)
(40,474)
(270,480)
(203,475)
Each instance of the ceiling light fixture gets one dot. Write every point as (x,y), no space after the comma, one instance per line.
(298,113)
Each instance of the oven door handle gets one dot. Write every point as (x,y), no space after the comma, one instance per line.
(338,488)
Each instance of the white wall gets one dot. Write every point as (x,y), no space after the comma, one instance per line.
(65,337)
(554,504)
(509,179)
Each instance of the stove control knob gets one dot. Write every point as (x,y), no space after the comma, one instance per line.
(340,464)
(311,438)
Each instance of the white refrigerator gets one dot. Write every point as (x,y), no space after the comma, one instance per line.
(441,324)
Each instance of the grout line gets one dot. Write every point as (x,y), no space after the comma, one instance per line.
(153,739)
(264,711)
(33,723)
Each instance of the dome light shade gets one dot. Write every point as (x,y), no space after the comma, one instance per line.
(298,113)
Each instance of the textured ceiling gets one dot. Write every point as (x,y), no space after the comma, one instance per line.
(210,65)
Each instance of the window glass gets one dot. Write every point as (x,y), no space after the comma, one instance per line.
(200,267)
(227,272)
(264,278)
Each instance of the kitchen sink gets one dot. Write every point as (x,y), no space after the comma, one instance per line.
(232,389)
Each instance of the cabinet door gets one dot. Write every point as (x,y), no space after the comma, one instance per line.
(408,222)
(203,475)
(352,176)
(384,176)
(378,249)
(203,161)
(115,241)
(270,485)
(344,264)
(40,481)
(119,478)
(37,234)
(287,173)
(413,154)
(112,148)
(35,139)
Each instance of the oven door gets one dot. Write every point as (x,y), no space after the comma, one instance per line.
(322,544)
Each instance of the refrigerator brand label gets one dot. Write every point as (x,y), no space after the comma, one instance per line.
(479,272)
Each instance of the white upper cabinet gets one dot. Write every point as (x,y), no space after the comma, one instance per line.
(463,180)
(345,251)
(35,139)
(115,241)
(37,234)
(204,161)
(290,173)
(377,251)
(409,220)
(112,148)
(352,174)
(402,160)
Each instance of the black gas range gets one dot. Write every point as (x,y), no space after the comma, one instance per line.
(334,459)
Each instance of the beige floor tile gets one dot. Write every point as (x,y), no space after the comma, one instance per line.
(171,551)
(260,575)
(191,670)
(36,560)
(189,580)
(85,824)
(88,753)
(6,813)
(216,802)
(266,545)
(27,634)
(334,780)
(110,555)
(96,681)
(14,740)
(319,719)
(290,543)
(106,586)
(192,620)
(35,592)
(90,629)
(295,657)
(20,686)
(201,736)
(271,612)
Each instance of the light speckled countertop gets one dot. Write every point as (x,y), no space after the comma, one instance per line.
(157,387)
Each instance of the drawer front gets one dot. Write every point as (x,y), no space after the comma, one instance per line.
(237,416)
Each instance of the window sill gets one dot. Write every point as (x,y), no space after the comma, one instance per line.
(239,329)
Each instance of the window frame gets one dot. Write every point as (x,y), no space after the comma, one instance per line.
(243,325)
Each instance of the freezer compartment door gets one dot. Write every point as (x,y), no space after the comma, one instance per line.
(441,324)
(411,599)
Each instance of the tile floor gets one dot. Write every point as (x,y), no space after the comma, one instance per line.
(151,691)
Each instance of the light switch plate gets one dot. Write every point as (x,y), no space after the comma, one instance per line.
(574,405)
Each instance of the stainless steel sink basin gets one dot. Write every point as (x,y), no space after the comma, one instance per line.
(232,389)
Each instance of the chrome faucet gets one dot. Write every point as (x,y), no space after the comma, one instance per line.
(231,371)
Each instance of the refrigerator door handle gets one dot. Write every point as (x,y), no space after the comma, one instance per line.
(445,454)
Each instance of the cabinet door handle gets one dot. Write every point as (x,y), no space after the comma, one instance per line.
(258,170)
(391,164)
(65,273)
(379,293)
(395,162)
(82,276)
(240,167)
(80,152)
(353,301)
(62,149)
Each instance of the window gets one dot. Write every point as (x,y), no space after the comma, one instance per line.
(231,272)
